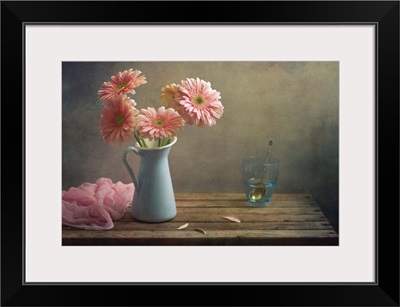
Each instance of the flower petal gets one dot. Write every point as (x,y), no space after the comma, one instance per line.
(231,218)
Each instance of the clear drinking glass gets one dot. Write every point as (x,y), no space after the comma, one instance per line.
(256,174)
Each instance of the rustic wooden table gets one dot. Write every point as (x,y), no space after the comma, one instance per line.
(290,219)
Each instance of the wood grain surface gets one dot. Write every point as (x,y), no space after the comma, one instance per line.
(290,219)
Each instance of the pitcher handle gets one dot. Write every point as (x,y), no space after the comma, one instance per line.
(129,168)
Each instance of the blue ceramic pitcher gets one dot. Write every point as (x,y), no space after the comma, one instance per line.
(153,199)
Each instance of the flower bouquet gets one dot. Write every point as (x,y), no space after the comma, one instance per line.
(192,102)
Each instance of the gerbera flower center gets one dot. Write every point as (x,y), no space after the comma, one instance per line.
(158,123)
(119,120)
(120,87)
(199,100)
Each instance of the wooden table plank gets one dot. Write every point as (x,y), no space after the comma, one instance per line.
(235,196)
(243,204)
(290,219)
(173,225)
(211,237)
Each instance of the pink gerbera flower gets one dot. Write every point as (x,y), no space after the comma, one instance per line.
(123,83)
(199,103)
(118,119)
(168,95)
(159,124)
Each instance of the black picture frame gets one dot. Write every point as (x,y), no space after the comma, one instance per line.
(383,14)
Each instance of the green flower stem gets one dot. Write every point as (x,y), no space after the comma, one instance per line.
(139,140)
(165,141)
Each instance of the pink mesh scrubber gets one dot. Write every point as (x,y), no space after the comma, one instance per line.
(94,206)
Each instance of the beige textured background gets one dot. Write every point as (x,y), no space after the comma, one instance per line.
(296,104)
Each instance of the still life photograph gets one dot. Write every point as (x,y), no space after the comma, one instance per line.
(173,153)
(199,153)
